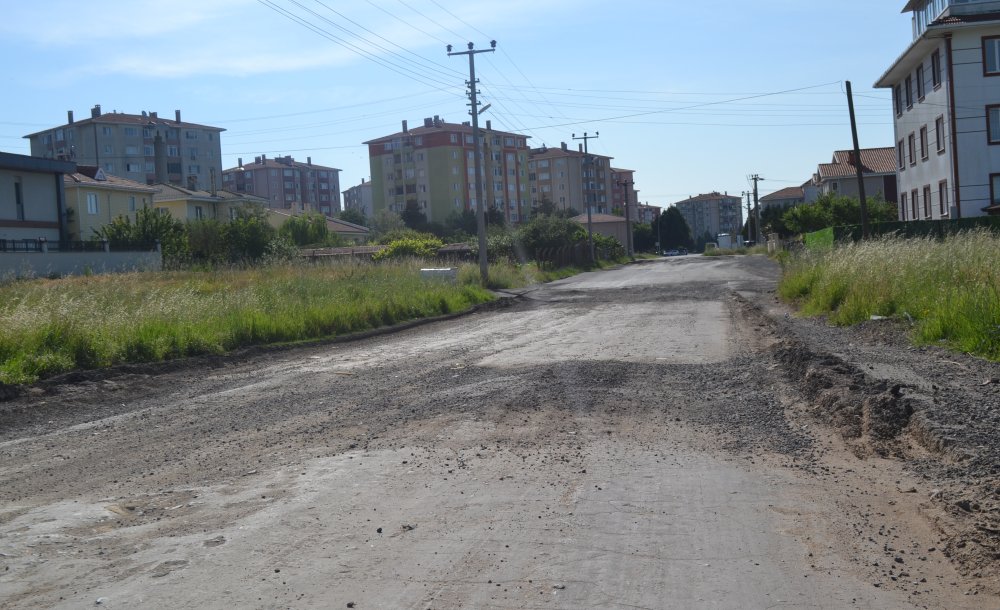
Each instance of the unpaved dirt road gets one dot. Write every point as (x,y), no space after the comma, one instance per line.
(657,436)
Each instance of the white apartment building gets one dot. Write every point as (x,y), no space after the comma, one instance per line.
(946,103)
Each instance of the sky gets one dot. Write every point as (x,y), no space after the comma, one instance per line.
(693,96)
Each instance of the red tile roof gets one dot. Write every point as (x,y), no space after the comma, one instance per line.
(89,175)
(792,192)
(118,118)
(873,161)
(441,126)
(263,162)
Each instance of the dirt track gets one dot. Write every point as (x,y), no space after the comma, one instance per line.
(659,436)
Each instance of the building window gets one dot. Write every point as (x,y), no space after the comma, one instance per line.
(991,55)
(109,149)
(993,124)
(109,167)
(936,69)
(19,198)
(106,131)
(939,133)
(92,203)
(914,204)
(132,132)
(911,148)
(902,204)
(908,91)
(900,160)
(134,168)
(943,197)
(191,135)
(194,169)
(923,143)
(173,151)
(920,82)
(198,212)
(131,203)
(927,201)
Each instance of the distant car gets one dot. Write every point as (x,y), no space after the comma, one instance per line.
(682,251)
(671,253)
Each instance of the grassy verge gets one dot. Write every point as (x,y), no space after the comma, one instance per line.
(52,326)
(949,289)
(736,251)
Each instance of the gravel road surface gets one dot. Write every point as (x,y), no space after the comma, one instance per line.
(664,435)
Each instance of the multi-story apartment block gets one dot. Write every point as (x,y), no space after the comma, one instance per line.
(946,104)
(359,198)
(571,179)
(138,147)
(647,213)
(433,168)
(710,214)
(623,190)
(287,184)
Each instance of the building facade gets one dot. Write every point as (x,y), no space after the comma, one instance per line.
(359,199)
(710,214)
(188,204)
(138,147)
(432,168)
(622,191)
(287,184)
(32,198)
(571,179)
(946,108)
(785,198)
(94,199)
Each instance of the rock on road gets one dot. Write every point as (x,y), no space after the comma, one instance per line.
(621,439)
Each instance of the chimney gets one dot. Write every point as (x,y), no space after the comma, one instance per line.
(428,122)
(850,157)
(177,116)
(564,146)
(257,160)
(144,115)
(240,165)
(405,127)
(211,177)
(152,115)
(579,147)
(437,121)
(160,158)
(309,160)
(489,125)
(95,111)
(69,117)
(263,159)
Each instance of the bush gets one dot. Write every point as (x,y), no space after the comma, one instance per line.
(410,247)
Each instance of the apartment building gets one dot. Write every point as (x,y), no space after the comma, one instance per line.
(285,183)
(95,198)
(710,214)
(622,191)
(946,107)
(359,198)
(139,147)
(432,167)
(571,179)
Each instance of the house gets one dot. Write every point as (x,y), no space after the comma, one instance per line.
(840,176)
(348,230)
(785,198)
(94,199)
(359,198)
(946,108)
(607,225)
(32,198)
(710,214)
(286,184)
(140,147)
(432,169)
(187,204)
(573,180)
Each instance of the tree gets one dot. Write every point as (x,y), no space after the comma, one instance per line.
(248,234)
(544,207)
(386,221)
(353,217)
(306,230)
(495,218)
(836,211)
(413,217)
(207,241)
(549,232)
(150,225)
(674,230)
(643,237)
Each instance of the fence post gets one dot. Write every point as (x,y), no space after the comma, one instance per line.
(43,245)
(106,245)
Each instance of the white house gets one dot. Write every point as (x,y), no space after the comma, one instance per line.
(946,102)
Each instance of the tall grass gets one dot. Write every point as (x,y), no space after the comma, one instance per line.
(949,288)
(52,326)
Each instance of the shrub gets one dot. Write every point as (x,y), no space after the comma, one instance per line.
(410,247)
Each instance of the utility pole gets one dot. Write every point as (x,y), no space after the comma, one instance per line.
(484,265)
(858,165)
(629,249)
(589,162)
(756,204)
(750,233)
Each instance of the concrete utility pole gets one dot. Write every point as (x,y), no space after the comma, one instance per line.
(750,234)
(586,194)
(484,265)
(756,204)
(629,248)
(858,165)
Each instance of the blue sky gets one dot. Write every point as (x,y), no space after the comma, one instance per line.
(694,96)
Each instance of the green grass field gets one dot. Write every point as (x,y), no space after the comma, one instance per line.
(53,326)
(949,288)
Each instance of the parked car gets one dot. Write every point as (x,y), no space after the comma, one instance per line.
(671,253)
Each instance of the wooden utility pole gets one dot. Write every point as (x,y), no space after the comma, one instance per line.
(588,162)
(858,165)
(484,265)
(756,205)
